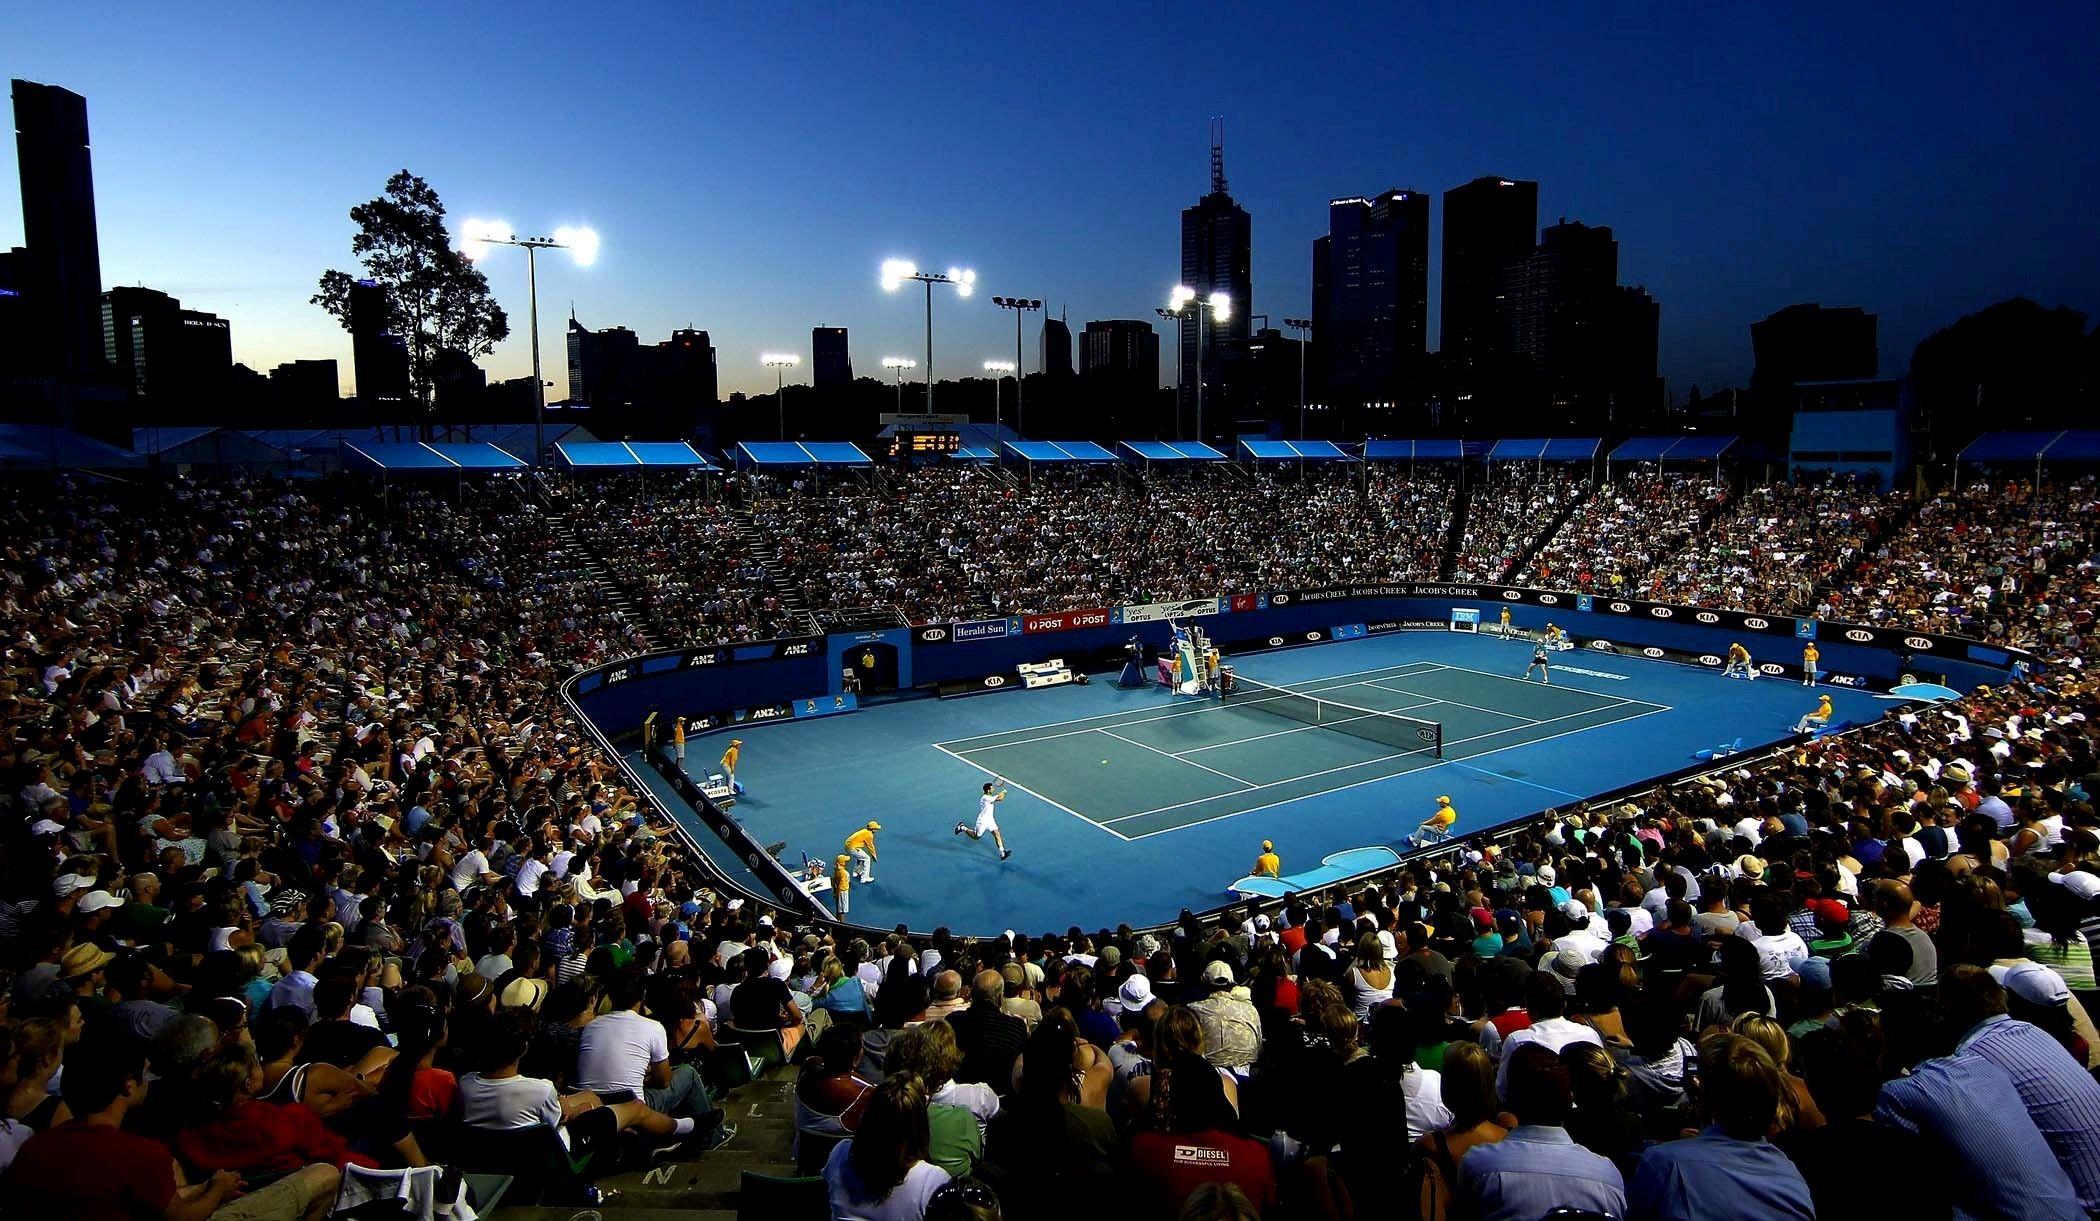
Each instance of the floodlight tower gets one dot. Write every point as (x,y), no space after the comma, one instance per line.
(900,364)
(1020,306)
(780,363)
(896,271)
(478,237)
(1218,307)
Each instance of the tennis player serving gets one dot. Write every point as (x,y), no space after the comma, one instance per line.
(987,820)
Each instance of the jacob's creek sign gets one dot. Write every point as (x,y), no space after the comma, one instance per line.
(1064,621)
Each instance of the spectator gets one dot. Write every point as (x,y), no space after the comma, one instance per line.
(2061,1098)
(882,1173)
(1195,1139)
(1545,1001)
(990,1038)
(1537,1167)
(956,1115)
(1231,1024)
(1729,1168)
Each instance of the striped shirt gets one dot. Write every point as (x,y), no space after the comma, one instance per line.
(2061,1097)
(1995,1158)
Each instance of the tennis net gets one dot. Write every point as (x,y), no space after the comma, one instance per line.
(1403,733)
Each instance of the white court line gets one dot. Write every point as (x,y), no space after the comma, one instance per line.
(1032,793)
(1514,716)
(1462,764)
(1620,699)
(1493,733)
(1300,729)
(1372,780)
(1177,758)
(1136,715)
(1210,705)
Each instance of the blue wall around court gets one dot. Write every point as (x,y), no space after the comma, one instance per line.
(618,696)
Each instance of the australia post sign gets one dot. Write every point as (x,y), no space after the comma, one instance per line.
(1065,621)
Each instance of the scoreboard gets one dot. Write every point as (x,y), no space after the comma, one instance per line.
(913,444)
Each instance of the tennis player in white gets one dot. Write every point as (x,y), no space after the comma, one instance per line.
(987,819)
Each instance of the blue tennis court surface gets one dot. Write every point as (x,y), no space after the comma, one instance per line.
(1129,805)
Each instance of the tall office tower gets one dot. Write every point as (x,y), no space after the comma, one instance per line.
(378,357)
(1548,298)
(64,273)
(1055,355)
(1217,245)
(1489,223)
(830,366)
(1371,314)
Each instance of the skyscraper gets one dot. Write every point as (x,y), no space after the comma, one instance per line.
(1055,356)
(662,389)
(1217,256)
(1810,343)
(831,365)
(378,357)
(1489,223)
(1547,300)
(1372,312)
(1118,384)
(64,280)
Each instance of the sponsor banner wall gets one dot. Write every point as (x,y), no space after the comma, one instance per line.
(932,633)
(1065,621)
(980,629)
(1895,640)
(1160,612)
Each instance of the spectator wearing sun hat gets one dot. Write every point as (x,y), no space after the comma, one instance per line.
(1231,1023)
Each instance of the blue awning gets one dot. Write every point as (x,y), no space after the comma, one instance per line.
(669,453)
(2079,445)
(2009,446)
(476,456)
(797,453)
(1531,448)
(974,453)
(1173,451)
(1699,449)
(1059,451)
(397,456)
(1572,449)
(1292,451)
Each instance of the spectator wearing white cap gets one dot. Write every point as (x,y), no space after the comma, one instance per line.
(1231,1024)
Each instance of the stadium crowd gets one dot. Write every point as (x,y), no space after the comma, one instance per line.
(680,553)
(1777,547)
(1510,514)
(307,873)
(1622,529)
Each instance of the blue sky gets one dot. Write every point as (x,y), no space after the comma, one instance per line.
(750,166)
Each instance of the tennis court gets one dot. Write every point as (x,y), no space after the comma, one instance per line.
(1150,771)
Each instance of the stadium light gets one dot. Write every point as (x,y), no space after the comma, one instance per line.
(1179,304)
(478,238)
(999,369)
(895,273)
(1020,306)
(780,363)
(900,364)
(1304,328)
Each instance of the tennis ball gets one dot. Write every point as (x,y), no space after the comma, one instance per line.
(1104,763)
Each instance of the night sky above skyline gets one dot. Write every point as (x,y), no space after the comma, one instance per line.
(749,169)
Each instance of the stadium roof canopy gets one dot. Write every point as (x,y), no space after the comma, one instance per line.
(975,453)
(206,445)
(1671,449)
(1059,451)
(802,453)
(1173,451)
(1292,451)
(2076,445)
(599,455)
(393,456)
(1546,449)
(1422,451)
(47,445)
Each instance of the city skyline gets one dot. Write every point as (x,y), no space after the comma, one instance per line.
(1867,182)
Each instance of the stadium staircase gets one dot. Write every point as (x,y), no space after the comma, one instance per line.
(1538,542)
(609,587)
(707,1188)
(1461,500)
(759,545)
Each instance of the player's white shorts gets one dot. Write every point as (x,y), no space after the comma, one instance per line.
(986,824)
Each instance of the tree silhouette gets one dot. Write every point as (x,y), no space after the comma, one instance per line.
(436,297)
